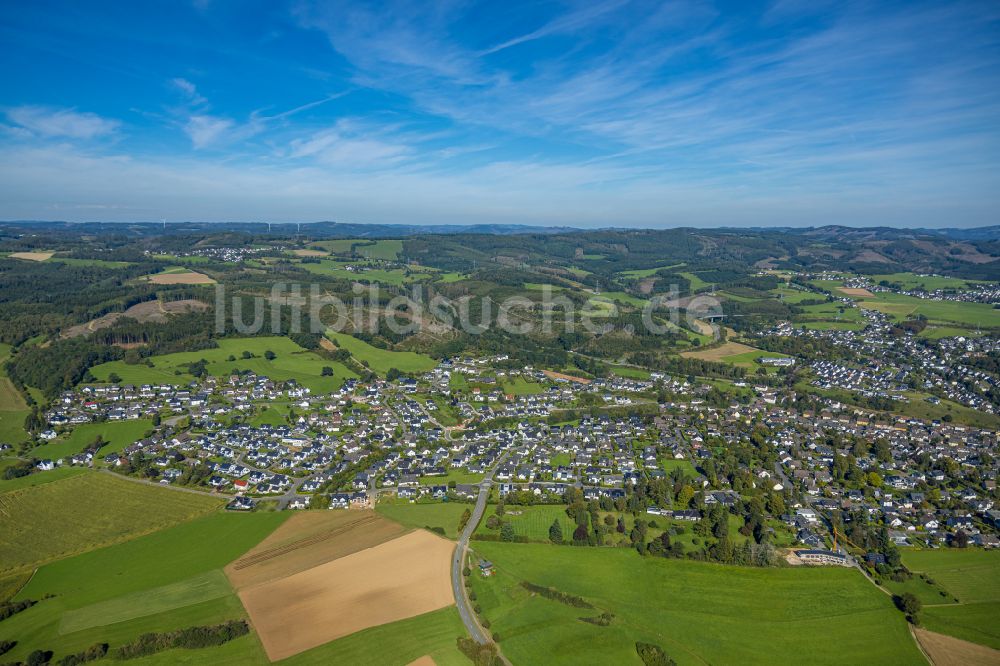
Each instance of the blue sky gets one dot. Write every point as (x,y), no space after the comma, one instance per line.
(655,114)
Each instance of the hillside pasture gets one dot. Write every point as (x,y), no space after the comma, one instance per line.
(972,575)
(162,581)
(118,434)
(899,307)
(910,281)
(180,277)
(697,612)
(445,515)
(13,408)
(382,360)
(37,478)
(291,362)
(91,510)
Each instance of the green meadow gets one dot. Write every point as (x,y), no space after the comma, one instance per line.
(13,409)
(936,332)
(445,515)
(971,575)
(102,263)
(522,386)
(338,245)
(647,272)
(92,510)
(899,307)
(630,373)
(530,522)
(162,581)
(622,297)
(386,250)
(37,478)
(929,283)
(291,362)
(118,434)
(337,269)
(382,360)
(697,612)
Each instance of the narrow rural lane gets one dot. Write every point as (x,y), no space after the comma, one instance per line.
(458,587)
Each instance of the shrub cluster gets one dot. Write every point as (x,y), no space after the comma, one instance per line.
(191,638)
(9,608)
(653,655)
(93,653)
(556,595)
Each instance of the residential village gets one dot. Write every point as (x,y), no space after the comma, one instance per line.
(925,481)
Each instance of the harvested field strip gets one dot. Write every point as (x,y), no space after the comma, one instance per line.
(395,580)
(271,553)
(309,539)
(947,651)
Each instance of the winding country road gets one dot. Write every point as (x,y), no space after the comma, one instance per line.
(461,599)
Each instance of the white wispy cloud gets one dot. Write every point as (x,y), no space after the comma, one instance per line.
(189,89)
(66,123)
(205,131)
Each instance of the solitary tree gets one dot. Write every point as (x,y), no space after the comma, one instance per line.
(269,355)
(507,532)
(909,604)
(555,532)
(327,371)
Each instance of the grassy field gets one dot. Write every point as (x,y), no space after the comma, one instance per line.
(699,613)
(831,325)
(928,283)
(972,576)
(793,296)
(338,245)
(424,514)
(337,269)
(102,263)
(162,581)
(630,373)
(531,522)
(734,353)
(38,478)
(394,644)
(10,398)
(898,306)
(937,332)
(647,272)
(119,434)
(521,386)
(386,250)
(90,510)
(13,409)
(622,297)
(382,360)
(291,362)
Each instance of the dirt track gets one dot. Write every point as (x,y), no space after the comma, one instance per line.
(398,579)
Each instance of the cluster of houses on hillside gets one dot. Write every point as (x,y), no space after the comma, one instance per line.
(250,437)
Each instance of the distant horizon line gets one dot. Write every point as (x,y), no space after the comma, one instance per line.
(502,225)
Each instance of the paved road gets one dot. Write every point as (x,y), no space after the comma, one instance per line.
(464,607)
